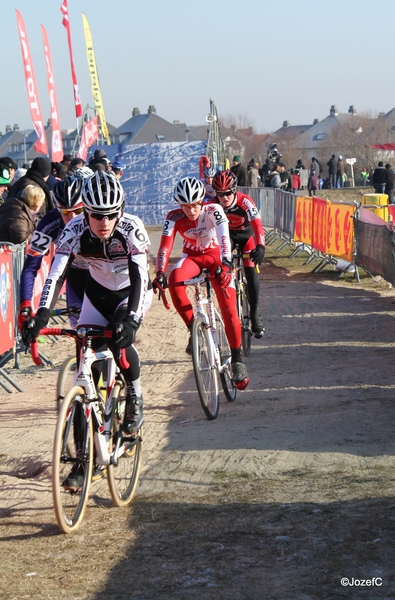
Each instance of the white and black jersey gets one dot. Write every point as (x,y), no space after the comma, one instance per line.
(117,265)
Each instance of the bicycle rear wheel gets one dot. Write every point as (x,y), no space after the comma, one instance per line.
(123,472)
(206,373)
(65,378)
(72,461)
(246,333)
(224,351)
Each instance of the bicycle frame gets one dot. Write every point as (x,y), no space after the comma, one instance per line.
(209,316)
(95,404)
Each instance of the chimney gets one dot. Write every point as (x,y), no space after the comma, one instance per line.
(135,112)
(352,110)
(381,115)
(151,109)
(333,110)
(286,124)
(48,122)
(16,127)
(177,122)
(316,121)
(7,128)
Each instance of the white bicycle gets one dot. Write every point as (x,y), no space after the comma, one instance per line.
(211,353)
(88,432)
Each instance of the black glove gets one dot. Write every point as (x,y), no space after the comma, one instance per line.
(258,254)
(124,334)
(31,328)
(224,274)
(160,281)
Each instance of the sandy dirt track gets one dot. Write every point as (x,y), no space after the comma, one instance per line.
(288,491)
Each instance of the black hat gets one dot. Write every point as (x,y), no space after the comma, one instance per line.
(67,157)
(99,153)
(42,165)
(77,161)
(8,162)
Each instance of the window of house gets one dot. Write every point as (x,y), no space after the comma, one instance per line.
(160,137)
(319,136)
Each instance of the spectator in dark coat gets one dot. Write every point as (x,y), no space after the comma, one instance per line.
(17,215)
(332,169)
(379,178)
(239,171)
(313,183)
(390,183)
(286,178)
(37,175)
(99,157)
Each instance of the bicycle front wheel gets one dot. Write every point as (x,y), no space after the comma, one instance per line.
(72,461)
(227,382)
(126,453)
(206,373)
(65,379)
(246,333)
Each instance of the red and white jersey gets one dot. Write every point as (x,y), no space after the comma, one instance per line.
(209,234)
(242,215)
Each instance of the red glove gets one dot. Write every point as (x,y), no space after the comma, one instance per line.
(224,274)
(25,311)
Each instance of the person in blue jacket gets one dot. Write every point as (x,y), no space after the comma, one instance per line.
(67,196)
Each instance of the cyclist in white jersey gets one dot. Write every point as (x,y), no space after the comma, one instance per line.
(118,291)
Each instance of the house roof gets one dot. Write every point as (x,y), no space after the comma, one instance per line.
(291,131)
(314,135)
(145,129)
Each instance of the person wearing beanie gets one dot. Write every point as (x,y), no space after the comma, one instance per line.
(5,179)
(36,175)
(240,172)
(66,160)
(99,157)
(10,164)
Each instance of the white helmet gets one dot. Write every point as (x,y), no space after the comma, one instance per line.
(83,172)
(102,192)
(189,190)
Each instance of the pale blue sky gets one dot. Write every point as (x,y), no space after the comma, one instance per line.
(267,61)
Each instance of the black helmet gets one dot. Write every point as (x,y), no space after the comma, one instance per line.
(67,193)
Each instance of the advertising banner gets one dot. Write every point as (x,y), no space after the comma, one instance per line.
(304,220)
(97,97)
(90,133)
(57,144)
(66,23)
(7,325)
(340,230)
(32,92)
(319,224)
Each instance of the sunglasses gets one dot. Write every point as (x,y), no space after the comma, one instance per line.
(75,211)
(221,194)
(100,217)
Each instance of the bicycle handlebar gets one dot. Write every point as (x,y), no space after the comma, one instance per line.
(90,332)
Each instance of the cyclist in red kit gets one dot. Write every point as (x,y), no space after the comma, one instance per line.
(246,230)
(204,228)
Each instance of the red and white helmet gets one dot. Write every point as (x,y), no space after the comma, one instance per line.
(225,181)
